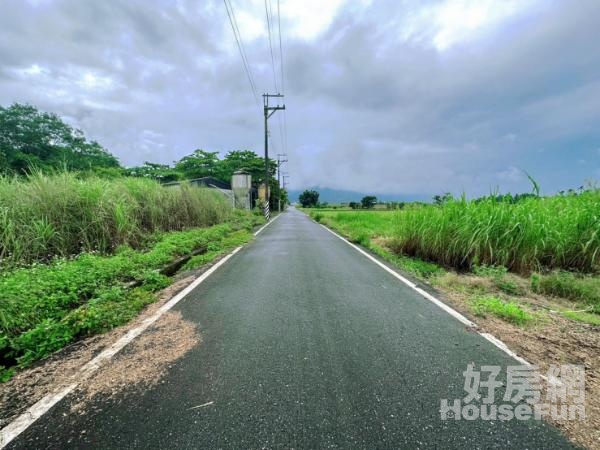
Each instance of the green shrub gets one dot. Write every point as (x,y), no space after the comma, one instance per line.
(490,271)
(47,337)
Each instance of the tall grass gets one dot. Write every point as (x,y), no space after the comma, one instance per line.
(561,232)
(44,216)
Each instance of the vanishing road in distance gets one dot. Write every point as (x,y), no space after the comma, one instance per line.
(306,343)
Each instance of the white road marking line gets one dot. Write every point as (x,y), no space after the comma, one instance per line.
(267,224)
(37,410)
(201,406)
(494,340)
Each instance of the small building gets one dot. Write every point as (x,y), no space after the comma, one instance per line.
(203,182)
(243,195)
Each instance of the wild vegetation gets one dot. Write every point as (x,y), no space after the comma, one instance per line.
(44,216)
(32,140)
(534,233)
(46,306)
(85,242)
(559,232)
(555,241)
(509,311)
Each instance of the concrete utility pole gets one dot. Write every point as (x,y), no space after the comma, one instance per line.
(284,176)
(279,163)
(269,111)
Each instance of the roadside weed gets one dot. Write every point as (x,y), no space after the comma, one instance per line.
(508,311)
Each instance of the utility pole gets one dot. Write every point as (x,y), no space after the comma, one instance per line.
(268,111)
(284,176)
(279,163)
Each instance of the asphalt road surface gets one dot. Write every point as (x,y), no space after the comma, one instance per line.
(306,344)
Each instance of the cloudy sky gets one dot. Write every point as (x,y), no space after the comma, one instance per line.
(411,97)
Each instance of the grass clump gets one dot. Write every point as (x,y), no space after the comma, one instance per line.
(560,232)
(583,316)
(578,288)
(500,279)
(61,215)
(508,311)
(370,229)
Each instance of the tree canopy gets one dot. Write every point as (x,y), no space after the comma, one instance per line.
(31,139)
(368,201)
(35,140)
(309,199)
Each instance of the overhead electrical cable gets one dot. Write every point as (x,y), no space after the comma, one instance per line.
(240,45)
(271,45)
(284,138)
(280,47)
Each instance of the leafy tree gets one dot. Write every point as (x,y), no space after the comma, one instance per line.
(309,199)
(368,201)
(441,199)
(199,164)
(354,205)
(33,139)
(161,172)
(395,205)
(244,160)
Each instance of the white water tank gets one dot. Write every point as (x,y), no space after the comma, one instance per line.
(241,184)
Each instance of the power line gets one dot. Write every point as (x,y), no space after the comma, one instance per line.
(271,45)
(280,47)
(282,130)
(243,52)
(240,45)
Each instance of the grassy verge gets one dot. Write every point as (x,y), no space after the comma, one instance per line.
(377,231)
(532,234)
(372,230)
(509,311)
(584,290)
(45,307)
(559,232)
(43,217)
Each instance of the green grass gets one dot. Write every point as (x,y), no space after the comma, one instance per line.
(364,228)
(500,278)
(583,316)
(508,311)
(61,215)
(560,232)
(536,233)
(46,306)
(578,288)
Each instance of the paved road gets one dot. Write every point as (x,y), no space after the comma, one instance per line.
(306,344)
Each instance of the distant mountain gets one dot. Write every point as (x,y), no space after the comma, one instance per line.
(340,196)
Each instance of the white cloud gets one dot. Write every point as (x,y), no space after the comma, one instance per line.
(452,22)
(93,81)
(33,70)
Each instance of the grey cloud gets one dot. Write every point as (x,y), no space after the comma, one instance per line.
(370,106)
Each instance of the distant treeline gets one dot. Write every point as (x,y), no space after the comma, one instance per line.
(32,140)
